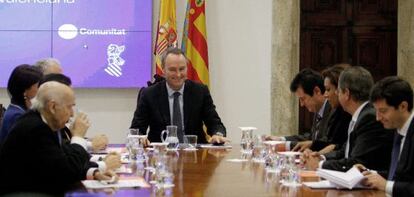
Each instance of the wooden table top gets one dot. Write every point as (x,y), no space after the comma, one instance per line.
(206,172)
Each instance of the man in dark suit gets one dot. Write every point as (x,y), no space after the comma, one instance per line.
(178,101)
(393,99)
(368,142)
(308,86)
(32,158)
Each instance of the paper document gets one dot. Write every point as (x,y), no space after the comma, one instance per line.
(94,184)
(347,179)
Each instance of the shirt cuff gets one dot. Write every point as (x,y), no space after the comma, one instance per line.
(321,163)
(89,174)
(287,145)
(78,140)
(96,158)
(89,145)
(388,187)
(101,166)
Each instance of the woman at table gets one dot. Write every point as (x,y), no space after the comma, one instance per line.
(338,119)
(22,87)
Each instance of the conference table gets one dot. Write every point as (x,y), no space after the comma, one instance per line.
(210,172)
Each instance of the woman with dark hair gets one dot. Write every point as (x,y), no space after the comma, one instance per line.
(338,119)
(22,87)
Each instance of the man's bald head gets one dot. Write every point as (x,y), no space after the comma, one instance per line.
(52,91)
(54,101)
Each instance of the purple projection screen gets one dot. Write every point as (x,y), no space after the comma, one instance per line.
(100,43)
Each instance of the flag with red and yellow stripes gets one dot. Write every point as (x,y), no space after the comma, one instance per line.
(166,31)
(194,42)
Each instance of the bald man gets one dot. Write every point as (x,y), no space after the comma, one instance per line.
(32,159)
(52,71)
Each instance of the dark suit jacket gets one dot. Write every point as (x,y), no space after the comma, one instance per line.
(404,174)
(322,134)
(370,145)
(153,111)
(337,130)
(31,159)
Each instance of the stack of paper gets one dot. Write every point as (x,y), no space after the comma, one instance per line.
(94,184)
(348,179)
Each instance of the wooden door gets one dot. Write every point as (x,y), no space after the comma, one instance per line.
(359,32)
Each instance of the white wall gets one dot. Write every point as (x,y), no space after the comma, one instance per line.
(239,41)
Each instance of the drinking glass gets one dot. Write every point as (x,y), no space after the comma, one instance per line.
(135,145)
(190,142)
(247,141)
(259,151)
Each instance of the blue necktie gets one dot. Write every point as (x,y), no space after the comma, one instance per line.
(177,120)
(394,157)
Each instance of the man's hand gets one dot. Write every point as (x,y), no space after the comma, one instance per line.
(311,160)
(99,142)
(302,146)
(360,167)
(80,125)
(108,175)
(113,161)
(374,180)
(218,139)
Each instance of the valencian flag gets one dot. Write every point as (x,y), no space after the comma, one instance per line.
(166,31)
(194,43)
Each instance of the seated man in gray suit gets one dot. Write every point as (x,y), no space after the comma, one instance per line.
(368,142)
(180,102)
(393,99)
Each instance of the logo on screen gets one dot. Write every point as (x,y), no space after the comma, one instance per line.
(115,61)
(68,31)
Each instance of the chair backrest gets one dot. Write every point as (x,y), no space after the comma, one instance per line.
(157,79)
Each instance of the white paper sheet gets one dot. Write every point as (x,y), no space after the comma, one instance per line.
(94,184)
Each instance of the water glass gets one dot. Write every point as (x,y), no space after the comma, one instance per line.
(135,145)
(259,151)
(247,141)
(190,142)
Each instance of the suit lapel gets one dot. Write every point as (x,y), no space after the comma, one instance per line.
(404,157)
(163,102)
(364,110)
(186,100)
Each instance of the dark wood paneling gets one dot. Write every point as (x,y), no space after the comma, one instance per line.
(360,32)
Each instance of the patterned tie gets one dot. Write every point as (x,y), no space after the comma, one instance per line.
(350,128)
(395,154)
(318,119)
(177,121)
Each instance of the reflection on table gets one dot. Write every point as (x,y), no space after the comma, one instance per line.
(206,172)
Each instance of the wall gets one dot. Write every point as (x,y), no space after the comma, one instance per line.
(239,41)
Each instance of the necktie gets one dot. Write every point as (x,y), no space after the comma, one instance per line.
(394,156)
(59,135)
(318,119)
(177,116)
(350,128)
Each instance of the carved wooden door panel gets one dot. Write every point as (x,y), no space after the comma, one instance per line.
(359,32)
